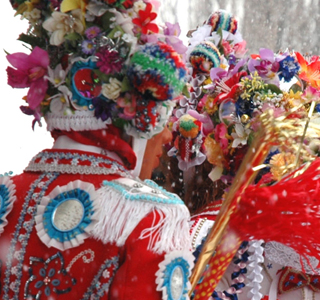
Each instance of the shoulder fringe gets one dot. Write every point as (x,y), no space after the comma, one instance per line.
(118,217)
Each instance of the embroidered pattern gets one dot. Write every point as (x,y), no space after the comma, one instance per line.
(75,163)
(173,275)
(66,216)
(98,287)
(84,258)
(47,277)
(22,234)
(7,197)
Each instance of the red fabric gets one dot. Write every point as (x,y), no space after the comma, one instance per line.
(135,279)
(109,139)
(287,212)
(291,279)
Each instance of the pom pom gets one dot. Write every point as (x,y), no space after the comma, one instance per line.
(224,20)
(157,72)
(204,57)
(189,127)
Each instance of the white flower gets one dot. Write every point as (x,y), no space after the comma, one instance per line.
(57,76)
(61,24)
(96,9)
(123,20)
(139,5)
(112,89)
(60,103)
(240,136)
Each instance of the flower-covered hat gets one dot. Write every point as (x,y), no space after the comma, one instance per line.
(95,63)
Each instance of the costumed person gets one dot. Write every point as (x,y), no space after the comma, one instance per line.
(228,95)
(78,223)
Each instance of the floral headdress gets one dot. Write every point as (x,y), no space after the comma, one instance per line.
(98,62)
(227,97)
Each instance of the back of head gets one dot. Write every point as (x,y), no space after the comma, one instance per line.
(97,65)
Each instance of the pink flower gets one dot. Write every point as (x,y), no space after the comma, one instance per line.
(226,47)
(240,49)
(128,103)
(220,137)
(109,61)
(30,71)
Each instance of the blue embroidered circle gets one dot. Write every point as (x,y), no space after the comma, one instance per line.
(68,214)
(176,279)
(86,85)
(4,201)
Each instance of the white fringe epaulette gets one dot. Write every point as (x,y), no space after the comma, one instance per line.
(125,202)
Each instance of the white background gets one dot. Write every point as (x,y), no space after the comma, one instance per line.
(18,143)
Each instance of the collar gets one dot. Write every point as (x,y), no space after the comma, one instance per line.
(76,162)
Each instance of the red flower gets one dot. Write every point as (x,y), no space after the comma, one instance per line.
(145,18)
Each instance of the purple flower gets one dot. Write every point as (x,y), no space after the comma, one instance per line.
(109,61)
(267,65)
(92,32)
(103,108)
(87,47)
(172,29)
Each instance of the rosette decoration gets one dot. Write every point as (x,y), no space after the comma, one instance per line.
(7,198)
(67,215)
(95,63)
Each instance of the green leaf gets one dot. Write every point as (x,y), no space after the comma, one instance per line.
(126,86)
(185,91)
(106,21)
(273,88)
(33,41)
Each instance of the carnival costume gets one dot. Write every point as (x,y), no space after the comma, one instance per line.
(78,223)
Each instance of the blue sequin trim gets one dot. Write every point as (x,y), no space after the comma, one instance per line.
(134,194)
(28,207)
(96,290)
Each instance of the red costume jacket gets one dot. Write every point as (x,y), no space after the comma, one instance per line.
(74,225)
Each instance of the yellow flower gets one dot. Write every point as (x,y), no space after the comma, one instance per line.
(281,164)
(68,5)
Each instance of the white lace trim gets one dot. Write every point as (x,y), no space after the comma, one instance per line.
(255,276)
(286,256)
(200,231)
(79,121)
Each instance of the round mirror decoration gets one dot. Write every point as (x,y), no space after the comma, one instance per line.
(173,275)
(67,215)
(7,197)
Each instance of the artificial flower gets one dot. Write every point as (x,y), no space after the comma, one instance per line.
(103,108)
(61,24)
(109,60)
(60,103)
(310,71)
(172,32)
(240,49)
(57,76)
(88,47)
(112,89)
(266,64)
(69,5)
(281,164)
(220,135)
(128,103)
(144,20)
(289,67)
(139,5)
(123,20)
(92,32)
(30,71)
(240,135)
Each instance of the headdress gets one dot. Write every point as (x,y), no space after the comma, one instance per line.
(228,90)
(97,64)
